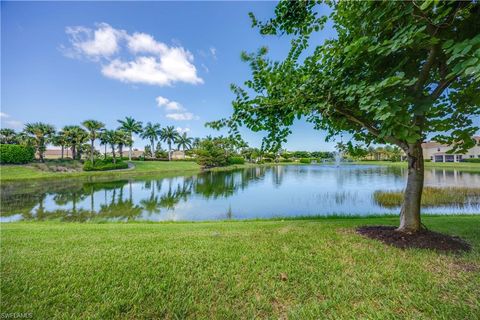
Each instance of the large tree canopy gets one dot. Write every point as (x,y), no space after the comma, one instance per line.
(395,73)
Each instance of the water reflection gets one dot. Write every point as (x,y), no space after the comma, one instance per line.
(249,193)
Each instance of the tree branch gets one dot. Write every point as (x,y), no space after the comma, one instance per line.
(374,131)
(440,88)
(422,78)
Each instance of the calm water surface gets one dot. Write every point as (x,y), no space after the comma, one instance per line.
(260,192)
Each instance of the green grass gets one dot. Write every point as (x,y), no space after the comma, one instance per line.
(464,166)
(432,196)
(24,172)
(301,269)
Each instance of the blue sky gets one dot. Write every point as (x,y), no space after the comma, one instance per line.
(165,62)
(65,62)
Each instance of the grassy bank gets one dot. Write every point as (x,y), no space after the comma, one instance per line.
(304,269)
(25,172)
(432,196)
(464,166)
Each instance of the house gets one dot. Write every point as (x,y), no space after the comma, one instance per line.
(437,152)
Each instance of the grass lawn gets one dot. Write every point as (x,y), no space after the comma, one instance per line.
(464,166)
(23,172)
(303,269)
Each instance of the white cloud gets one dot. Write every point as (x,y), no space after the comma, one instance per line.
(182,130)
(102,42)
(7,122)
(146,61)
(213,52)
(142,42)
(181,116)
(13,124)
(168,104)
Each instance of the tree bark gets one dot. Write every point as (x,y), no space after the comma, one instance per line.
(410,213)
(92,150)
(113,154)
(62,151)
(130,148)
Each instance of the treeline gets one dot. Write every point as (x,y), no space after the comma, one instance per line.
(380,153)
(80,139)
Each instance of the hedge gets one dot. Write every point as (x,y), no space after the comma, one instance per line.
(104,165)
(16,154)
(305,160)
(472,160)
(236,160)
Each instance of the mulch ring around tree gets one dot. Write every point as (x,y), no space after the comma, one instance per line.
(424,239)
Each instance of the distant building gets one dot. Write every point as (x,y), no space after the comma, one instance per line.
(437,152)
(178,154)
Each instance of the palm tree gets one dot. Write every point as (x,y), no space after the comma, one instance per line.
(104,142)
(40,133)
(59,140)
(169,135)
(184,142)
(123,139)
(8,136)
(93,126)
(75,137)
(196,142)
(131,126)
(111,137)
(151,132)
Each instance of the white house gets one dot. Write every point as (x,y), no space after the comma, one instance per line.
(437,152)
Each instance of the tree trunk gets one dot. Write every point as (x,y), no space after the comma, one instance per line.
(130,148)
(410,213)
(74,152)
(152,142)
(105,153)
(113,154)
(62,151)
(169,151)
(92,150)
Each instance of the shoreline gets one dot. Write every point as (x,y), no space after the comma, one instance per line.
(307,218)
(22,173)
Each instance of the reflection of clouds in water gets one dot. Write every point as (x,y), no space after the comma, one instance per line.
(258,192)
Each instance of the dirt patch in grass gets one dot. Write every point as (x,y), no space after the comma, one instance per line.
(424,239)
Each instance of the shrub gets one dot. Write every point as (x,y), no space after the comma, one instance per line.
(472,160)
(211,154)
(161,154)
(305,160)
(267,160)
(285,160)
(427,160)
(104,165)
(16,154)
(236,160)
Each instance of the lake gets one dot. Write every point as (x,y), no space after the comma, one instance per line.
(258,192)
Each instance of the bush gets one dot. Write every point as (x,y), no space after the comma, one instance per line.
(267,160)
(16,154)
(104,165)
(427,160)
(285,160)
(211,154)
(236,160)
(305,160)
(472,160)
